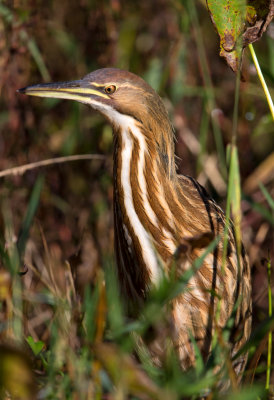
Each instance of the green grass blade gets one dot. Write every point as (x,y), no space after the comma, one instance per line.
(91,299)
(261,209)
(267,196)
(14,320)
(114,304)
(32,208)
(248,393)
(236,196)
(36,54)
(234,184)
(180,285)
(199,367)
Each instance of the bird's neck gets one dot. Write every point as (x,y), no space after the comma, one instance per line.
(144,177)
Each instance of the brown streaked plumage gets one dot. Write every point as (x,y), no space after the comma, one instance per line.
(162,218)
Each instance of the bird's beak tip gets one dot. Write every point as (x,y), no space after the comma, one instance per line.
(21,90)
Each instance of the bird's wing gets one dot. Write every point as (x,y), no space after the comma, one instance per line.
(216,285)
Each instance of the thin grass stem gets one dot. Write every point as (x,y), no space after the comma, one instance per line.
(269,349)
(236,108)
(261,77)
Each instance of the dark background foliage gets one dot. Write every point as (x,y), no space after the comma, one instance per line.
(173,45)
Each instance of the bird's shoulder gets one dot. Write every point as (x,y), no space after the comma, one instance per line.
(199,197)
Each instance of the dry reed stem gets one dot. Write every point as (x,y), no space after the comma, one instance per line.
(52,161)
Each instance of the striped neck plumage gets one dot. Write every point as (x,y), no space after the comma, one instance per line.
(142,177)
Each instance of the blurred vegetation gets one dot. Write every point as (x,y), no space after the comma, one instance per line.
(57,320)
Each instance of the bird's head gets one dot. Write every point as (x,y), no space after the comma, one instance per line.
(116,94)
(111,91)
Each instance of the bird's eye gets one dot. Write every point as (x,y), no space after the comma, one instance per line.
(110,89)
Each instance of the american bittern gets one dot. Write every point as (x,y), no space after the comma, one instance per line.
(162,218)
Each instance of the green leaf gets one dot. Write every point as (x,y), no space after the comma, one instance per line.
(36,347)
(228,18)
(238,25)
